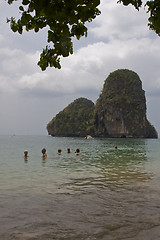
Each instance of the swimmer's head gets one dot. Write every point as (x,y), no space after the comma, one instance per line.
(43,150)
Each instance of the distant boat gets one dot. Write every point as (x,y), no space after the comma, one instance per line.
(88,137)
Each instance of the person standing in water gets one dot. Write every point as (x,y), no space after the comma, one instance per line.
(44,155)
(68,150)
(78,152)
(59,152)
(25,153)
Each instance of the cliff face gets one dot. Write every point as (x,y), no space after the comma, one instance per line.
(120,111)
(75,120)
(121,108)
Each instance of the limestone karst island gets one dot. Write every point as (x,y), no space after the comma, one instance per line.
(120,111)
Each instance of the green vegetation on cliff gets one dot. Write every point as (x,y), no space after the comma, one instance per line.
(75,120)
(120,111)
(121,107)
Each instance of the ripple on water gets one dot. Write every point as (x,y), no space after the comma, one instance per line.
(103,194)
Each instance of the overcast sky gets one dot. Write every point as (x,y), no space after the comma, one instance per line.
(118,38)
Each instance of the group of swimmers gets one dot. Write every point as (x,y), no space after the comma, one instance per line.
(77,152)
(44,154)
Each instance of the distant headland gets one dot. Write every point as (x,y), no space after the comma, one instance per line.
(120,111)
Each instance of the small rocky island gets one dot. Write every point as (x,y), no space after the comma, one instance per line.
(120,111)
(75,120)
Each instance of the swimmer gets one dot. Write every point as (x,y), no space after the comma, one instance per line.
(68,150)
(116,148)
(59,152)
(44,156)
(25,153)
(78,152)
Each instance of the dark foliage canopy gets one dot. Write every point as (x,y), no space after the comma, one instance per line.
(66,19)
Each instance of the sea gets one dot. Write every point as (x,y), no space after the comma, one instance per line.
(103,194)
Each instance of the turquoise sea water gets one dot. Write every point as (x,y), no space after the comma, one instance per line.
(104,194)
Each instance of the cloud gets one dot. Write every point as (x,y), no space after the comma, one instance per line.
(118,38)
(119,21)
(84,71)
(14,64)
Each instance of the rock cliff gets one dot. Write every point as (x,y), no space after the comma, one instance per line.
(120,110)
(75,120)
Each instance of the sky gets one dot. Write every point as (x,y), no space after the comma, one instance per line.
(117,39)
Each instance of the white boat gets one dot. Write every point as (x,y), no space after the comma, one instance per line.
(88,137)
